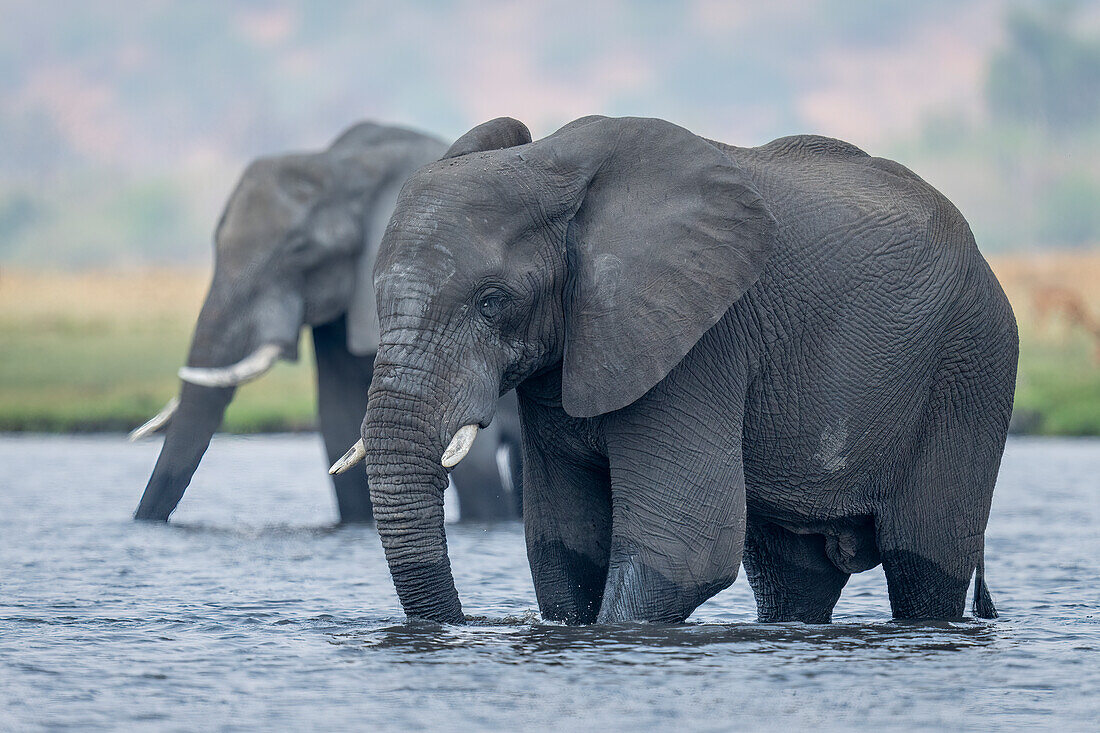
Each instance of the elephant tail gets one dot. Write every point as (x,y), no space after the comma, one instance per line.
(983,603)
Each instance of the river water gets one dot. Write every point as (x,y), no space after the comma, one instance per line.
(251,610)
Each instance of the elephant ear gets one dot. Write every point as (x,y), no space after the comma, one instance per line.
(380,158)
(503,132)
(363,328)
(668,233)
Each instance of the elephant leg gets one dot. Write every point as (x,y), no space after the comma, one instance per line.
(482,494)
(791,575)
(931,529)
(343,380)
(513,465)
(678,528)
(567,523)
(511,443)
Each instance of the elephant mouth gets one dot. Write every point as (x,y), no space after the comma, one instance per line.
(456,450)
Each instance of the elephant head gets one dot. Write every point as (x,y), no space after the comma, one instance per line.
(295,247)
(602,252)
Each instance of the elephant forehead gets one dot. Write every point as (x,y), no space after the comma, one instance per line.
(257,206)
(417,216)
(432,236)
(256,218)
(464,185)
(411,287)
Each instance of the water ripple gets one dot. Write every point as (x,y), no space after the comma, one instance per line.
(253,609)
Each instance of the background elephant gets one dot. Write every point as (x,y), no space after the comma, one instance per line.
(295,247)
(793,353)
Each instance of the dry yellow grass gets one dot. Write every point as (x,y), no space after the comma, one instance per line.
(1056,297)
(139,298)
(1023,275)
(133,298)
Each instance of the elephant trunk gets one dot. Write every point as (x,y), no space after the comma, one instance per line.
(230,345)
(403,448)
(199,414)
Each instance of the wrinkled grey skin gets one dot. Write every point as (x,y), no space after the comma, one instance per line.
(295,247)
(792,356)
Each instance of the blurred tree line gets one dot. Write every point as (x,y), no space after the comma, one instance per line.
(184,93)
(1047,79)
(1048,75)
(1027,172)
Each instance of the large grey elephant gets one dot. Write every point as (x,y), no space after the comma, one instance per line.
(296,247)
(791,355)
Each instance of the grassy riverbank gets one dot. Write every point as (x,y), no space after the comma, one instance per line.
(99,350)
(1056,298)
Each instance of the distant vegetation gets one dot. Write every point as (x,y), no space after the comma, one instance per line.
(123,131)
(100,351)
(1057,306)
(1026,173)
(1048,74)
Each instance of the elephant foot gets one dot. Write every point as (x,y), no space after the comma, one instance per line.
(635,591)
(920,588)
(792,575)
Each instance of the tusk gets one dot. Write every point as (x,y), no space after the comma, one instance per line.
(252,366)
(355,454)
(157,422)
(460,445)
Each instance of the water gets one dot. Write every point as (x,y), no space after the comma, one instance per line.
(250,610)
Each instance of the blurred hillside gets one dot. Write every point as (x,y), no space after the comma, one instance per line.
(123,125)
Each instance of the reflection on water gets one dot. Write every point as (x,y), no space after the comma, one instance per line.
(549,643)
(253,608)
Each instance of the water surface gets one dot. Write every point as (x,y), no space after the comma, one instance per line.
(251,610)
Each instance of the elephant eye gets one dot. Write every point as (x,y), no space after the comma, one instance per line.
(492,303)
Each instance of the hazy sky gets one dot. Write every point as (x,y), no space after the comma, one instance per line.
(122,119)
(146,82)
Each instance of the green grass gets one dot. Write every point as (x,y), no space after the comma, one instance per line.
(99,352)
(65,381)
(1057,387)
(104,380)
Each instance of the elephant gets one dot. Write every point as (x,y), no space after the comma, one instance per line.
(295,247)
(790,356)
